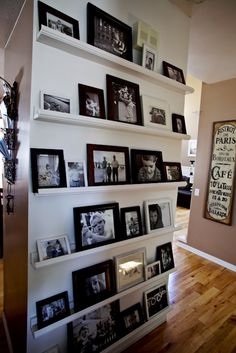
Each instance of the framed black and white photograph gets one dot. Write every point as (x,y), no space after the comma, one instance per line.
(93,284)
(156,113)
(149,58)
(96,225)
(129,268)
(52,309)
(123,101)
(91,101)
(76,174)
(156,299)
(146,166)
(96,330)
(164,254)
(108,33)
(107,165)
(172,171)
(131,222)
(54,246)
(178,123)
(152,270)
(52,18)
(54,103)
(173,72)
(48,168)
(158,214)
(131,318)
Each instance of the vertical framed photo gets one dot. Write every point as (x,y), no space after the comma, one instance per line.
(149,58)
(158,214)
(48,168)
(156,113)
(131,223)
(51,247)
(91,101)
(131,318)
(156,299)
(178,124)
(152,270)
(192,148)
(108,33)
(52,18)
(164,254)
(173,72)
(123,100)
(76,174)
(54,103)
(172,171)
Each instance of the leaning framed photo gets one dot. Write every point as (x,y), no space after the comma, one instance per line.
(156,113)
(91,101)
(54,103)
(48,168)
(192,148)
(53,246)
(164,254)
(96,225)
(108,33)
(52,309)
(172,171)
(178,123)
(76,174)
(123,101)
(131,318)
(158,214)
(52,18)
(173,72)
(156,300)
(149,58)
(107,165)
(131,222)
(152,270)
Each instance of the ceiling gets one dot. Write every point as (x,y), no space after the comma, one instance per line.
(212,45)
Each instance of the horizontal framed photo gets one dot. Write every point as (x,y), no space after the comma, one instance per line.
(152,270)
(96,225)
(51,247)
(107,165)
(146,166)
(156,113)
(192,148)
(91,101)
(156,299)
(52,309)
(93,284)
(164,254)
(52,18)
(76,174)
(173,72)
(131,318)
(131,222)
(54,103)
(178,123)
(108,33)
(130,269)
(48,168)
(123,101)
(158,214)
(149,58)
(172,171)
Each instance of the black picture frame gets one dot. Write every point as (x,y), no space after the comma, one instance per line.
(48,169)
(173,72)
(108,33)
(91,101)
(172,171)
(156,300)
(107,165)
(123,101)
(143,162)
(88,227)
(164,254)
(131,222)
(131,318)
(67,24)
(178,123)
(52,309)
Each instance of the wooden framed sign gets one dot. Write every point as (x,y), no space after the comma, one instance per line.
(222,171)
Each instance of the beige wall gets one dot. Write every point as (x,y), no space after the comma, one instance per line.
(218,103)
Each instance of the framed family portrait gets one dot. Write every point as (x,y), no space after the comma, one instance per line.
(156,113)
(51,247)
(107,165)
(96,225)
(131,318)
(131,223)
(76,174)
(164,254)
(178,123)
(52,309)
(146,166)
(173,72)
(172,171)
(158,214)
(52,18)
(152,270)
(156,299)
(123,100)
(108,33)
(149,58)
(91,101)
(48,168)
(54,103)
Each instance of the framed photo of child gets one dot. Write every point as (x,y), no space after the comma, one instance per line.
(164,254)
(91,101)
(131,222)
(158,214)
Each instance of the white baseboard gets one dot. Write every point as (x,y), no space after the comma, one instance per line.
(207,256)
(7,333)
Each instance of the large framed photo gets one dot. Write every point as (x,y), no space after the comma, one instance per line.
(156,113)
(131,222)
(146,166)
(107,164)
(164,254)
(93,284)
(130,269)
(152,270)
(131,318)
(96,330)
(123,100)
(52,309)
(52,18)
(149,58)
(158,214)
(173,72)
(91,101)
(54,103)
(178,123)
(96,225)
(48,168)
(76,174)
(108,33)
(172,171)
(156,299)
(51,247)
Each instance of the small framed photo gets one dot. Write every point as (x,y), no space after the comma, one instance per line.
(123,101)
(146,166)
(172,171)
(192,148)
(131,222)
(178,124)
(130,269)
(76,174)
(131,318)
(52,18)
(107,165)
(93,284)
(152,270)
(156,299)
(156,113)
(173,72)
(54,103)
(96,225)
(52,309)
(91,101)
(164,254)
(158,214)
(51,247)
(48,168)
(108,33)
(149,59)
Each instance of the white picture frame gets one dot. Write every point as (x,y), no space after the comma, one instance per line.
(54,102)
(192,148)
(76,173)
(149,58)
(53,246)
(156,300)
(156,113)
(158,215)
(152,270)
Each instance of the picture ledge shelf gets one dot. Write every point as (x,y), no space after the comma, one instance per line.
(79,48)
